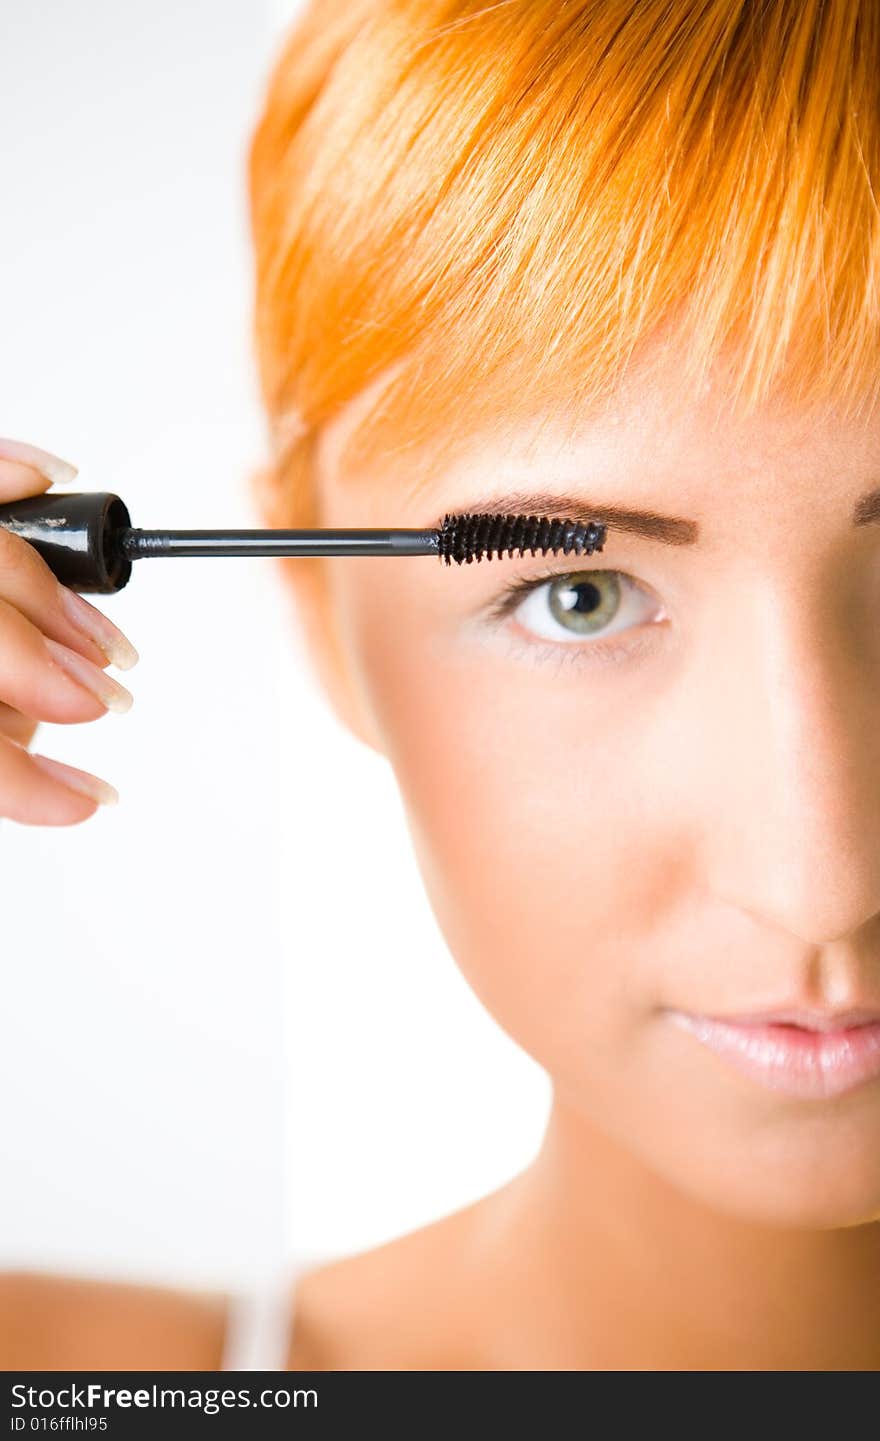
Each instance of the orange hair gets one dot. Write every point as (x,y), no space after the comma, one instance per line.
(502,201)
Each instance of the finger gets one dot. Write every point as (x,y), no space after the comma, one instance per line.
(16,726)
(38,791)
(28,470)
(49,681)
(27,582)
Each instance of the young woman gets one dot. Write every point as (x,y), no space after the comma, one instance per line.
(616,260)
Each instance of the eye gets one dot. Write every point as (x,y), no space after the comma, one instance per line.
(578,606)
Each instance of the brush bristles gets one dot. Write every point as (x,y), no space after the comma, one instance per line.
(471,537)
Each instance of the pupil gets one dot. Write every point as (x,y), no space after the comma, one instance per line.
(582,597)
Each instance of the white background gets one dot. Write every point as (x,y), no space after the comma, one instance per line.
(231,1032)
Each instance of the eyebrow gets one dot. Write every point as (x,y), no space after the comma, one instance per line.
(665,529)
(866,510)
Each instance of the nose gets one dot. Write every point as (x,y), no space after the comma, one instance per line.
(792,698)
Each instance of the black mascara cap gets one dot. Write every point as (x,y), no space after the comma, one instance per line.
(76,536)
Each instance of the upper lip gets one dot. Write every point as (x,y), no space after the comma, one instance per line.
(810,1020)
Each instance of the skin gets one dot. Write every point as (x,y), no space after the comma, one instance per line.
(695,823)
(678,1215)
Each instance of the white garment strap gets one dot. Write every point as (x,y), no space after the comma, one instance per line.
(259,1325)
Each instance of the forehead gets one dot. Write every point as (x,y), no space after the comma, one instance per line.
(653,444)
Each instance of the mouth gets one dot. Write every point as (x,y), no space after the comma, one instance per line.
(812,1055)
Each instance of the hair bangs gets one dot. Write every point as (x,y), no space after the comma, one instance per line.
(498,207)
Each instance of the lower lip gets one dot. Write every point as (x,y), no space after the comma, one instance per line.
(813,1065)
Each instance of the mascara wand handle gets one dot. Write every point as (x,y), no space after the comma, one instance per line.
(139,544)
(76,534)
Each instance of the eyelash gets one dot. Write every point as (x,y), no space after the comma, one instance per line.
(565,653)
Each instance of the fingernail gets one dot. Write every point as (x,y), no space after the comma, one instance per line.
(113,695)
(77,780)
(56,470)
(87,618)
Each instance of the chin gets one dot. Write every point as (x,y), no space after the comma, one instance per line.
(805,1209)
(825,1179)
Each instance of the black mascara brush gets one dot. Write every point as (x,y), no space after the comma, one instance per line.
(89,543)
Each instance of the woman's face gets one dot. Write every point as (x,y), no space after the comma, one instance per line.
(659,792)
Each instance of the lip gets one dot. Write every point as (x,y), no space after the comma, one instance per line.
(806,1054)
(809,1020)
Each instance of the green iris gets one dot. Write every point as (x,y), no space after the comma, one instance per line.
(586,602)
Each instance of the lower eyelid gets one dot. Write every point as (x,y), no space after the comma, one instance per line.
(543,652)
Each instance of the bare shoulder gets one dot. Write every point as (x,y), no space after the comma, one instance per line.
(69,1323)
(412,1303)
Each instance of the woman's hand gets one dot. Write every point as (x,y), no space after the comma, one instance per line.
(54,647)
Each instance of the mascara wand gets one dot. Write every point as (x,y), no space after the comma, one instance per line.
(89,543)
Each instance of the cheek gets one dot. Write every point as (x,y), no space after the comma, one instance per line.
(546,863)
